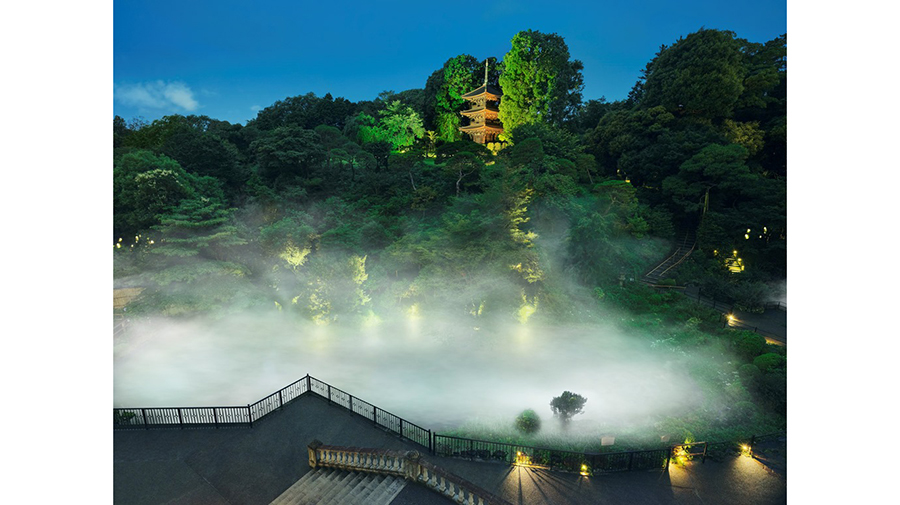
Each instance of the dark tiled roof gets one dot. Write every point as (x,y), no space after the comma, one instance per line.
(479,109)
(483,89)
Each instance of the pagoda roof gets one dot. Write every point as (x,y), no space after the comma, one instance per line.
(490,108)
(485,126)
(485,89)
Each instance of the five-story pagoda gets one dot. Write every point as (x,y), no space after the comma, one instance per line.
(483,108)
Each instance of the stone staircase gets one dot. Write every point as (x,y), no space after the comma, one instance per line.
(684,249)
(332,486)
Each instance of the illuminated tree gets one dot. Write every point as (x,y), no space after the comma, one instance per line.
(400,125)
(397,124)
(539,82)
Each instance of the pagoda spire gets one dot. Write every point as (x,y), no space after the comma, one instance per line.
(485,71)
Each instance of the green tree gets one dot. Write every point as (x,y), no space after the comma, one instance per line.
(699,75)
(397,124)
(539,82)
(288,152)
(197,227)
(194,268)
(205,153)
(567,405)
(715,167)
(305,111)
(400,125)
(146,184)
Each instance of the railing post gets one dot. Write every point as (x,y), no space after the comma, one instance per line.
(312,448)
(180,419)
(215,418)
(280,399)
(329,393)
(375,415)
(351,402)
(401,426)
(411,469)
(250,415)
(668,457)
(144,415)
(308,386)
(705,447)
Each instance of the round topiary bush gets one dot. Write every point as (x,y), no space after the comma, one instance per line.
(749,374)
(749,344)
(769,362)
(528,422)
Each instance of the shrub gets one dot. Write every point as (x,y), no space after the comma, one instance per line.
(528,422)
(770,362)
(749,374)
(749,344)
(745,411)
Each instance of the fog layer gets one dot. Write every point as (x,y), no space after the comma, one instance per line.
(434,372)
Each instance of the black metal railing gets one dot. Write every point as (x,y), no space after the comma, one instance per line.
(441,445)
(553,459)
(738,325)
(380,417)
(196,417)
(181,417)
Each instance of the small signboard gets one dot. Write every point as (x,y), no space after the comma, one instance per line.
(607,440)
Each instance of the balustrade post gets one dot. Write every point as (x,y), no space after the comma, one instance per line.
(329,394)
(180,419)
(308,387)
(250,415)
(313,449)
(401,426)
(280,399)
(144,415)
(375,415)
(351,402)
(215,418)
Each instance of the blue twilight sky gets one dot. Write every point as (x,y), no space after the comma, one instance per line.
(227,59)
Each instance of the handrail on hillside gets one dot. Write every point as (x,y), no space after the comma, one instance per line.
(406,464)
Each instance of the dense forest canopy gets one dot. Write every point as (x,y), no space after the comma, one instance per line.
(699,144)
(335,210)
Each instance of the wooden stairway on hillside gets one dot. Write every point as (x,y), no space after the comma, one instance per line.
(684,249)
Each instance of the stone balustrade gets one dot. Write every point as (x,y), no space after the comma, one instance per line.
(408,464)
